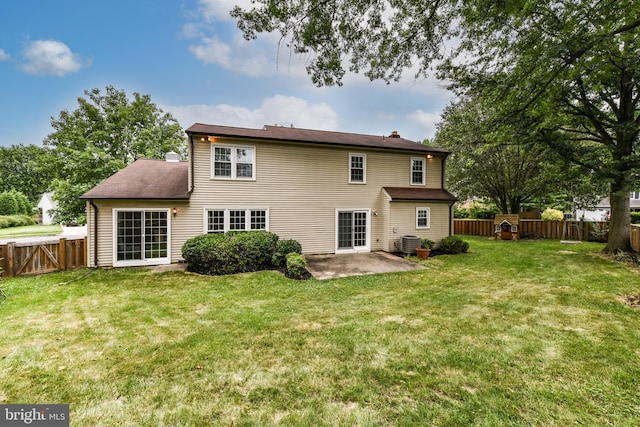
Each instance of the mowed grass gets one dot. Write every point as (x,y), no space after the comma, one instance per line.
(513,333)
(30,231)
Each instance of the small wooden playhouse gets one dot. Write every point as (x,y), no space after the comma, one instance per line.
(507,226)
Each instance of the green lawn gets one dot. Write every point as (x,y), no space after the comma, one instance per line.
(532,333)
(30,231)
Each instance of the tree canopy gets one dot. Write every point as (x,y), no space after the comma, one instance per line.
(573,65)
(29,169)
(105,133)
(506,162)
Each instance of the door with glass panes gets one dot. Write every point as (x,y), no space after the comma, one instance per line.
(142,237)
(352,230)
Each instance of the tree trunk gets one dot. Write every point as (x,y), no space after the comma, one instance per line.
(619,225)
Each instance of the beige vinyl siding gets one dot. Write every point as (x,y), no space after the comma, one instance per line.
(302,186)
(403,217)
(105,227)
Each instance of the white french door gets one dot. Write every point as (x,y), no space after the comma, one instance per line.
(353,230)
(141,237)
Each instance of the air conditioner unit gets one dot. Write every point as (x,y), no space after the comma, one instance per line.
(409,244)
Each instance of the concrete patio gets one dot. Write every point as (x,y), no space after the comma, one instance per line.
(344,265)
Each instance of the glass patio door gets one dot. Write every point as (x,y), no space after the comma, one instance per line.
(141,237)
(352,231)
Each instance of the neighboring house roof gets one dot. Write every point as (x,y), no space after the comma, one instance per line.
(145,179)
(281,133)
(46,201)
(433,194)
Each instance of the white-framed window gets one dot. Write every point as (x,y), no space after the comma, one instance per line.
(357,168)
(418,167)
(141,237)
(220,220)
(423,217)
(634,195)
(233,162)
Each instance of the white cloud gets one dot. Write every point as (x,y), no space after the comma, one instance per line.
(278,109)
(218,10)
(426,121)
(241,58)
(4,56)
(50,57)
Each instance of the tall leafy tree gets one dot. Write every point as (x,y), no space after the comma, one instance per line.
(574,63)
(29,169)
(105,133)
(505,161)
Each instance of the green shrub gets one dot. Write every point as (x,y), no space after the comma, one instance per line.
(460,213)
(284,248)
(427,243)
(453,245)
(552,215)
(635,217)
(479,210)
(8,203)
(296,265)
(16,221)
(230,253)
(24,206)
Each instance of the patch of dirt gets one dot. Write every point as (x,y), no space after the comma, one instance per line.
(633,301)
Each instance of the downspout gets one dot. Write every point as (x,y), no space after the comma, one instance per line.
(191,163)
(95,233)
(451,218)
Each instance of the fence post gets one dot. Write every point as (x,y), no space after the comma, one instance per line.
(62,254)
(10,259)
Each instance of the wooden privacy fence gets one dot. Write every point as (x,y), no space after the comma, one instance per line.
(635,237)
(23,259)
(572,230)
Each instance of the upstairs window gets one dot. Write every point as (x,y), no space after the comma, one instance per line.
(233,162)
(357,169)
(417,171)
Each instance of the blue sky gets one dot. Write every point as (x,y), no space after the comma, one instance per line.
(193,62)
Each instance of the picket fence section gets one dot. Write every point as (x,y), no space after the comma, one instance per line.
(635,237)
(24,259)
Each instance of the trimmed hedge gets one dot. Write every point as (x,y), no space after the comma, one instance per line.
(635,217)
(296,265)
(16,221)
(284,248)
(14,203)
(453,245)
(233,252)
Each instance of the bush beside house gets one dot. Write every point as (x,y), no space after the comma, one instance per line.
(453,245)
(240,252)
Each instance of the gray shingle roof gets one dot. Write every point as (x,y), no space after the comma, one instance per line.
(431,194)
(281,133)
(145,179)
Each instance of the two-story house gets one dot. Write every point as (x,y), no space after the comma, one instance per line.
(333,192)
